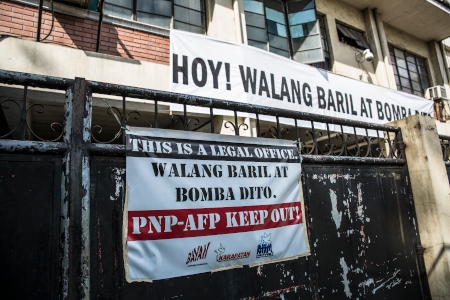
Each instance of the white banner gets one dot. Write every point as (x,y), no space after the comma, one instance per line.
(209,67)
(199,203)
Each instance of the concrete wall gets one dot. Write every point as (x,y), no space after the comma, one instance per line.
(431,191)
(344,55)
(47,59)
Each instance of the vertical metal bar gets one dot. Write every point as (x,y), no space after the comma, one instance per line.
(99,29)
(236,125)
(23,117)
(211,119)
(379,144)
(258,127)
(278,127)
(77,135)
(124,118)
(329,139)
(356,141)
(369,147)
(156,114)
(316,147)
(185,122)
(344,142)
(38,34)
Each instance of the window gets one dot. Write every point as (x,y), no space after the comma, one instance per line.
(188,15)
(352,37)
(287,28)
(411,74)
(326,64)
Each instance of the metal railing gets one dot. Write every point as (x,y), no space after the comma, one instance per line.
(320,138)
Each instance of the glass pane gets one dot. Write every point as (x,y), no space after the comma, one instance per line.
(254,6)
(405,82)
(306,43)
(276,28)
(401,62)
(300,5)
(395,71)
(123,3)
(304,29)
(187,27)
(297,31)
(416,86)
(423,70)
(397,81)
(399,53)
(410,58)
(188,16)
(414,76)
(153,19)
(259,45)
(274,15)
(192,4)
(278,42)
(279,52)
(392,59)
(425,82)
(403,72)
(309,56)
(256,34)
(411,66)
(117,11)
(418,94)
(407,90)
(302,17)
(254,20)
(421,62)
(158,7)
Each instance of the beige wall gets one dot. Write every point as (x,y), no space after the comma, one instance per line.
(53,60)
(344,55)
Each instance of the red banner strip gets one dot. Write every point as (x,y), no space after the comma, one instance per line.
(170,224)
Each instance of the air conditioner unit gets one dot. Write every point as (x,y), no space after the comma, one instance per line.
(436,92)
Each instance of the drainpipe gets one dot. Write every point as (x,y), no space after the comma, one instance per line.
(38,35)
(99,30)
(385,50)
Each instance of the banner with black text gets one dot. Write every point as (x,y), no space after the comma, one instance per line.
(209,67)
(201,202)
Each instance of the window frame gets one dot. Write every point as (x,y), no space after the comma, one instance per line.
(290,42)
(420,76)
(352,37)
(172,19)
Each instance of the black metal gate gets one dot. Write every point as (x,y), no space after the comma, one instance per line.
(63,208)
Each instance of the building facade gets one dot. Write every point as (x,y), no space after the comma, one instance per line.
(398,45)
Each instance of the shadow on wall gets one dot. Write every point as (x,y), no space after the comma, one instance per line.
(82,34)
(444,248)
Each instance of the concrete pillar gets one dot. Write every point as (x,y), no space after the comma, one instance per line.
(375,47)
(385,50)
(437,61)
(431,192)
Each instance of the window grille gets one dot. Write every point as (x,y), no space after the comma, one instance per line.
(411,74)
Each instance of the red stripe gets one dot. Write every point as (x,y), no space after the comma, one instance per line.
(170,224)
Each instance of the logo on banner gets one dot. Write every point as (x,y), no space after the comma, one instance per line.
(196,254)
(264,246)
(220,256)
